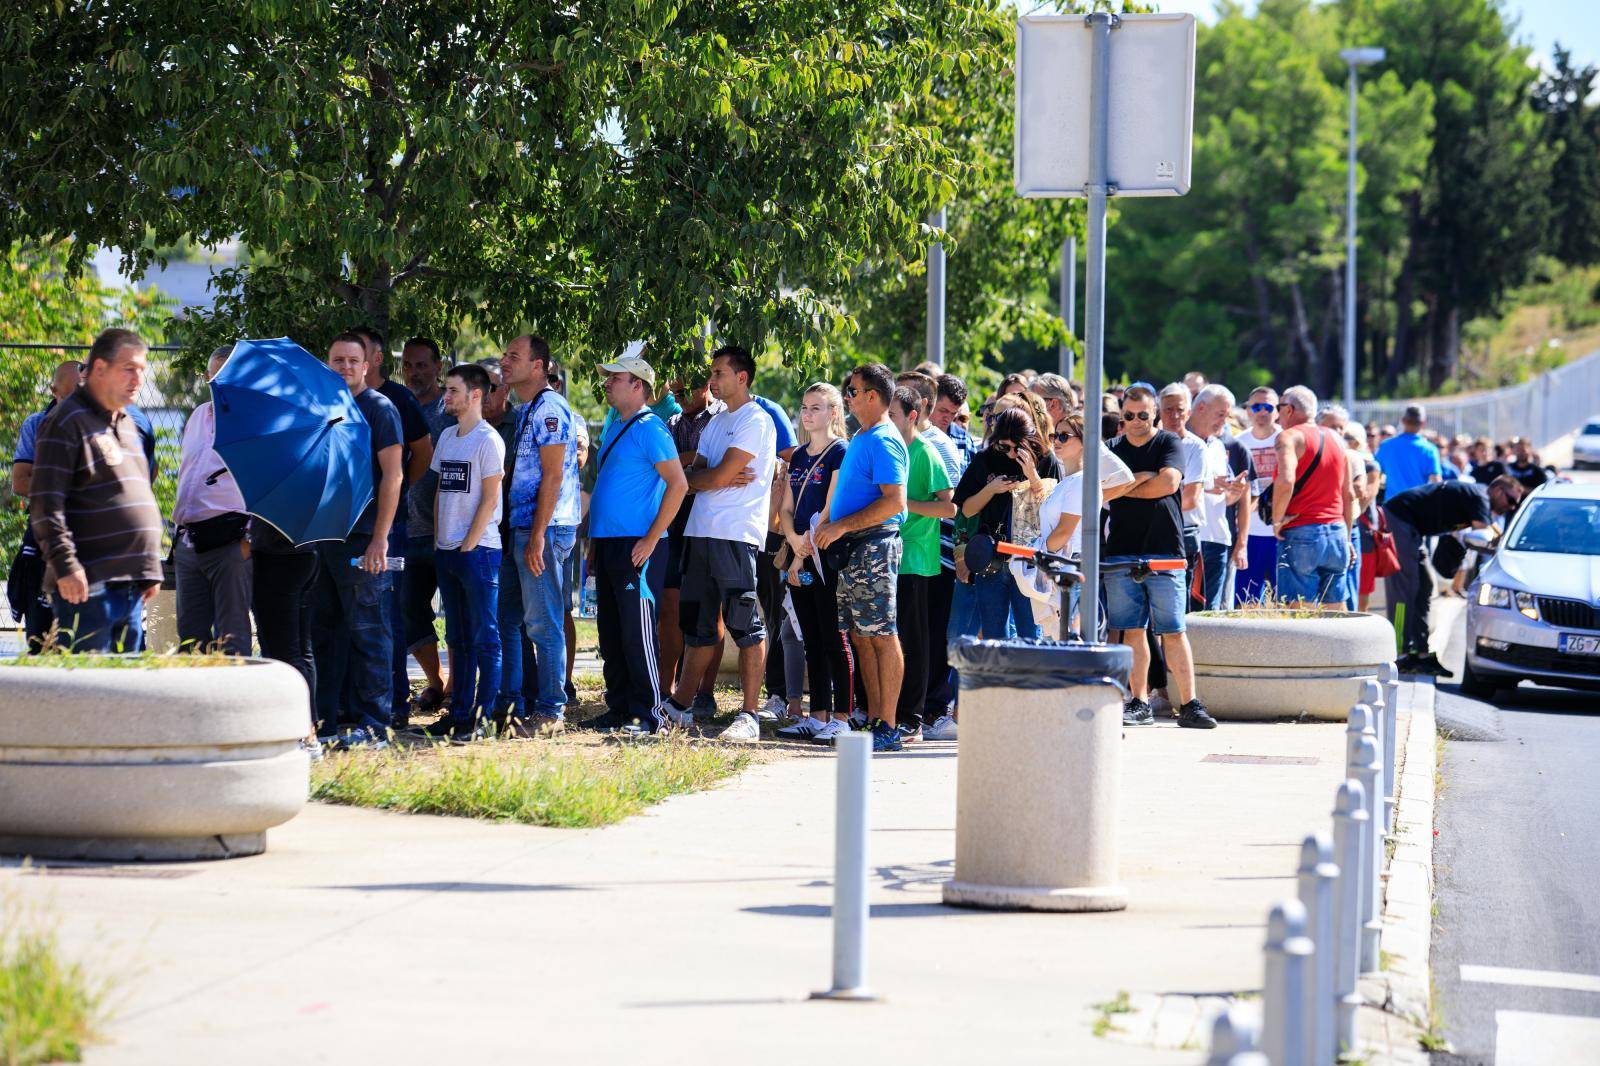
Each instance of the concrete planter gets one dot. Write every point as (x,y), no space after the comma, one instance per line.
(1253,666)
(128,763)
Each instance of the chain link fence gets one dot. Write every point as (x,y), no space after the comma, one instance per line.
(1543,410)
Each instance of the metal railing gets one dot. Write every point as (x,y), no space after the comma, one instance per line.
(1543,410)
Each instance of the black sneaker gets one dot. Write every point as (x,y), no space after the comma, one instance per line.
(441,729)
(1430,664)
(1193,715)
(609,722)
(1137,712)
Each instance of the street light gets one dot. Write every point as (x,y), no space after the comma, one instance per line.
(1355,57)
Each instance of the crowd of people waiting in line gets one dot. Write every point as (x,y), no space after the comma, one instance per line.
(833,557)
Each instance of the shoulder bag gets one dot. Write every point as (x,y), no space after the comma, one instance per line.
(1264,504)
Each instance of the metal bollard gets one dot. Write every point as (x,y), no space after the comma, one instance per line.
(1235,1040)
(854,754)
(1389,674)
(1318,877)
(1286,983)
(1364,768)
(1349,835)
(1372,694)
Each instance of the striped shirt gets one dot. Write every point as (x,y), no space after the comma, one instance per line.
(91,507)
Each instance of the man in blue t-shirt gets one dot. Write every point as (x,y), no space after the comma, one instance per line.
(352,634)
(1408,459)
(639,484)
(545,511)
(862,525)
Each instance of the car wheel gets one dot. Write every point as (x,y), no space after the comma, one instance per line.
(1477,686)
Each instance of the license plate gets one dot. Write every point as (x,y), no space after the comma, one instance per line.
(1573,644)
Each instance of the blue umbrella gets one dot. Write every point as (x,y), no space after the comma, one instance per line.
(294,440)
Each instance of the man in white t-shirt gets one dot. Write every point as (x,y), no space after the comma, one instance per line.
(731,477)
(470,461)
(1219,544)
(1254,581)
(1175,401)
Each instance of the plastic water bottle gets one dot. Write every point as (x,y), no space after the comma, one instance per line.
(807,577)
(393,562)
(590,600)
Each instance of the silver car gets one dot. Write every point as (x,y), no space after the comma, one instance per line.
(1534,611)
(1586,446)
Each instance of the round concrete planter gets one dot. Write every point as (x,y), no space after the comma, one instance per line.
(129,763)
(1263,665)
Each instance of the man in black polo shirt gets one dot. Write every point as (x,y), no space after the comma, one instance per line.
(1433,510)
(1147,524)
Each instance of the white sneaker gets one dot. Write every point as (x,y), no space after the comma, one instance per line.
(829,731)
(805,729)
(776,707)
(667,713)
(942,729)
(743,727)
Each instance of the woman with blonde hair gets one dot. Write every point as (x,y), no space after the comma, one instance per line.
(1033,404)
(813,586)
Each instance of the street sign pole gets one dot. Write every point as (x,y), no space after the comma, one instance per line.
(1069,302)
(1100,25)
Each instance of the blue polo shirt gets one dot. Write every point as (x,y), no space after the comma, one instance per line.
(876,456)
(780,419)
(628,488)
(1407,461)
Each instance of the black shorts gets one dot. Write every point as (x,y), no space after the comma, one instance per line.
(719,581)
(673,575)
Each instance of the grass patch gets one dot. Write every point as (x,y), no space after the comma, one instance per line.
(49,1007)
(566,784)
(144,660)
(1104,1025)
(1432,1037)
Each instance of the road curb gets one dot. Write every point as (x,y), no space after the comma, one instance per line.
(1390,1030)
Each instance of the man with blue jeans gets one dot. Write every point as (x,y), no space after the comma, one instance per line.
(1147,524)
(545,511)
(351,634)
(469,463)
(92,510)
(1313,507)
(1221,543)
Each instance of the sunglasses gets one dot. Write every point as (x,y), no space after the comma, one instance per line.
(850,392)
(1005,447)
(1062,438)
(1136,416)
(1262,408)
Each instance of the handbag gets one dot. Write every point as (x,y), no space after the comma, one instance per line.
(1385,556)
(1264,503)
(783,558)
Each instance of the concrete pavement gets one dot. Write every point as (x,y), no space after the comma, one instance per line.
(693,933)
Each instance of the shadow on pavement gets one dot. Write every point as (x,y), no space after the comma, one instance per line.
(878,910)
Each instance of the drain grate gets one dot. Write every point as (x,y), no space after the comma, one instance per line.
(1263,760)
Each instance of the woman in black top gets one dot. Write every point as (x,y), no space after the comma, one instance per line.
(1013,455)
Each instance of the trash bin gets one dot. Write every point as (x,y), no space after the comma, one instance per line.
(1038,775)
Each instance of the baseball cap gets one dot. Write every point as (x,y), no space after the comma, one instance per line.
(632,362)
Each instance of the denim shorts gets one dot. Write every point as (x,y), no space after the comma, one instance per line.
(1157,601)
(1312,561)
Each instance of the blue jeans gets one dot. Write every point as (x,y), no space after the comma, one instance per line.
(1352,576)
(517,687)
(1312,563)
(111,620)
(544,609)
(1216,572)
(1158,601)
(1261,560)
(351,639)
(395,613)
(469,583)
(1004,610)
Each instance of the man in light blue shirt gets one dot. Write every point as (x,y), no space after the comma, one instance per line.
(545,511)
(1407,459)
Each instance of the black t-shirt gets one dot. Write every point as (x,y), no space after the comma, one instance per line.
(1442,507)
(1531,475)
(1484,473)
(1238,463)
(995,518)
(1148,529)
(413,424)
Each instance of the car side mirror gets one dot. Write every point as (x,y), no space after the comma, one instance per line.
(1479,540)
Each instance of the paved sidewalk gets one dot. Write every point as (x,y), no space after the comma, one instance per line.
(693,933)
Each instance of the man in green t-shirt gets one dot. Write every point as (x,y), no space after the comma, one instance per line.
(928,499)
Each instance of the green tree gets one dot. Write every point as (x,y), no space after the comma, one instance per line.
(1572,130)
(599,170)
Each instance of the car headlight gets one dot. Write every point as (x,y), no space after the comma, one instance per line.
(1494,596)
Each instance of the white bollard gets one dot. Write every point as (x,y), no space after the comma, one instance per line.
(1349,834)
(1318,877)
(1364,768)
(854,754)
(1372,694)
(1286,982)
(1236,1040)
(1389,674)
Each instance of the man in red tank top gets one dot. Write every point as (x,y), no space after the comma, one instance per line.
(1313,505)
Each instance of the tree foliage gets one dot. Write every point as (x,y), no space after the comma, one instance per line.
(1572,130)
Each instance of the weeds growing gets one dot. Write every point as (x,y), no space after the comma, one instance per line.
(49,1007)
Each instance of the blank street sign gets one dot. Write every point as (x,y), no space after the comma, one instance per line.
(1151,105)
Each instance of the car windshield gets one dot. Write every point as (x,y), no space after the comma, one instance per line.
(1591,430)
(1566,527)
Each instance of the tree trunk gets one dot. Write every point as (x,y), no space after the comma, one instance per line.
(1401,357)
(1332,382)
(1444,337)
(1310,369)
(1263,297)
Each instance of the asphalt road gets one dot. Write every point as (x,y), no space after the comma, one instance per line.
(1516,941)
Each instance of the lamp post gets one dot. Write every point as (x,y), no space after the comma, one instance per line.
(1354,57)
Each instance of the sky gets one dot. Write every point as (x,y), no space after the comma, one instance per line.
(1575,23)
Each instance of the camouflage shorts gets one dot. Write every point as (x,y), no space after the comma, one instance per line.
(867,588)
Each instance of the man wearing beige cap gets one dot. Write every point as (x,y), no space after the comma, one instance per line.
(639,484)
